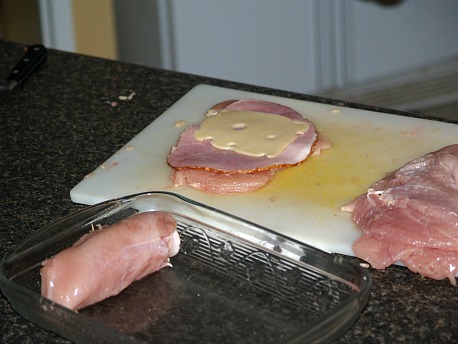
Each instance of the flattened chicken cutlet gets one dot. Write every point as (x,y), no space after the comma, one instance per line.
(411,216)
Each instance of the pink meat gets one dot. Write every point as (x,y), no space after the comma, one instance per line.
(411,214)
(104,262)
(321,144)
(191,153)
(220,183)
(262,106)
(429,262)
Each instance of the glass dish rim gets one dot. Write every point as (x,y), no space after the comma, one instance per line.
(361,296)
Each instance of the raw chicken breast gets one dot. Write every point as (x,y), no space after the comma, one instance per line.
(220,183)
(429,262)
(104,262)
(411,216)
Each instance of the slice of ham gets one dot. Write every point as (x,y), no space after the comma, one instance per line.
(260,106)
(106,261)
(221,183)
(411,216)
(190,153)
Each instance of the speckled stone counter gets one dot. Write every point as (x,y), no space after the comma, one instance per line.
(60,124)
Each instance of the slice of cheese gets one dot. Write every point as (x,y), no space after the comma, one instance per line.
(250,133)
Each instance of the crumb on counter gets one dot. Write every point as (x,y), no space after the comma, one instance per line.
(111,103)
(130,148)
(129,97)
(335,111)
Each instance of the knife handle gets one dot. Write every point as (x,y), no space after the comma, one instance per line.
(34,57)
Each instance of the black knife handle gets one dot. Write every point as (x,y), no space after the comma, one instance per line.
(34,57)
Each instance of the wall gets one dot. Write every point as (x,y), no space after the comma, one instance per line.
(137,31)
(308,45)
(94,28)
(382,40)
(19,21)
(299,45)
(83,26)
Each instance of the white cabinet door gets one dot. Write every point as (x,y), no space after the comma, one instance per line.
(297,45)
(306,45)
(383,40)
(263,42)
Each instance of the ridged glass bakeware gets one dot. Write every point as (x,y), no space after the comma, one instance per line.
(232,282)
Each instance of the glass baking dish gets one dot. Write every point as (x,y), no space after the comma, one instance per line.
(231,282)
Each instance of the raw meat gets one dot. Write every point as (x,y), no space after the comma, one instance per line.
(192,153)
(220,183)
(261,106)
(411,216)
(429,262)
(321,144)
(104,262)
(200,165)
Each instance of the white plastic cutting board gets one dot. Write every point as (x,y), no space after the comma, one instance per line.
(301,202)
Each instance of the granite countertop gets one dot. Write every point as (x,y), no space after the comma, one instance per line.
(60,124)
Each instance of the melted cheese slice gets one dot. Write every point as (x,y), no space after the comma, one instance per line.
(250,133)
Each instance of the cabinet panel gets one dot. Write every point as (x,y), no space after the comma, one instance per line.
(264,42)
(310,45)
(382,40)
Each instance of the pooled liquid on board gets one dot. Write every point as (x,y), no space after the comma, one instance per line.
(360,155)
